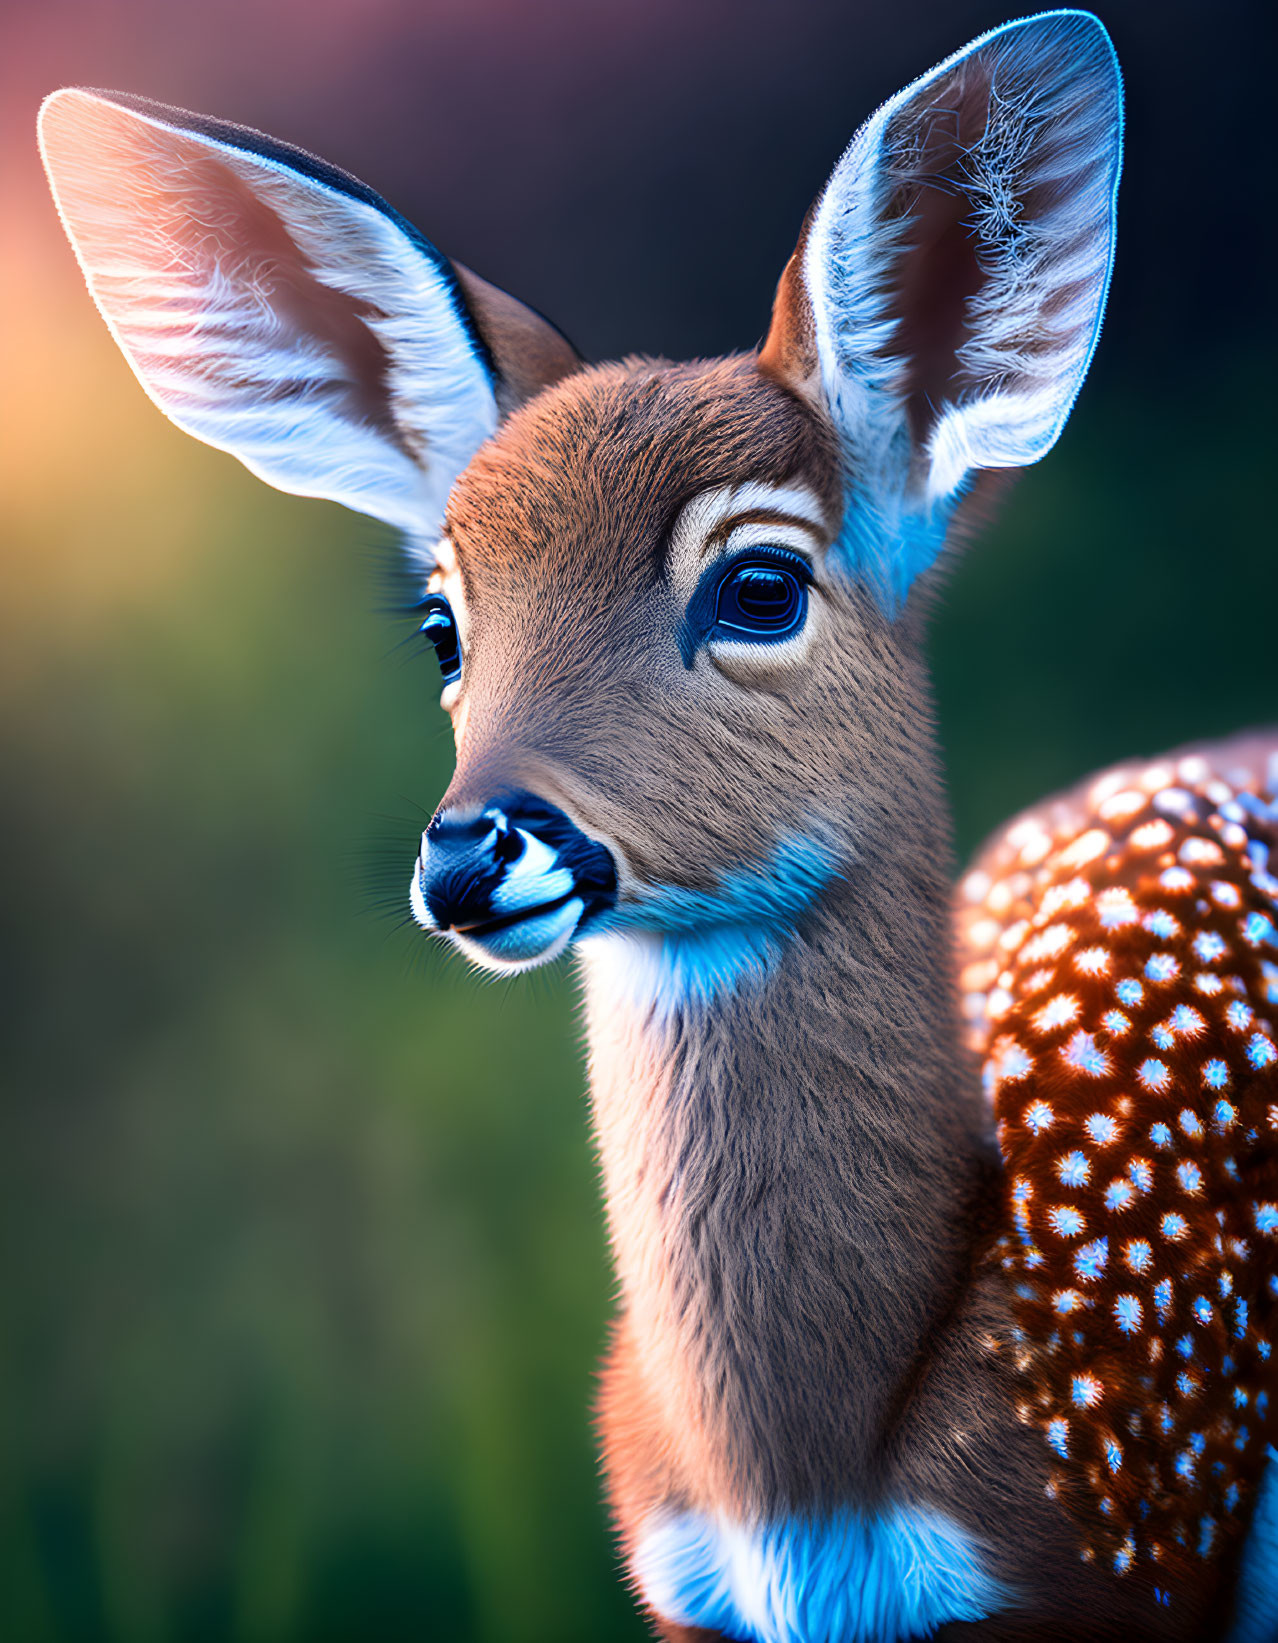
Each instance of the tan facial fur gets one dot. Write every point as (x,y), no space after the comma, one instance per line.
(579,532)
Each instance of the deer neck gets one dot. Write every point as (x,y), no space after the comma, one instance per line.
(790,1167)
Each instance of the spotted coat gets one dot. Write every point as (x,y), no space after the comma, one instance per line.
(1120,975)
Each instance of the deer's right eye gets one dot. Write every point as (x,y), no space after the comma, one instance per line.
(440,627)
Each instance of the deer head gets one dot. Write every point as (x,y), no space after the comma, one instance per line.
(677,607)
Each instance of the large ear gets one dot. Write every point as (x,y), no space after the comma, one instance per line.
(277,308)
(946,294)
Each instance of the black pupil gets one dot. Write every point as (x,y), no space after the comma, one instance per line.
(760,599)
(441,629)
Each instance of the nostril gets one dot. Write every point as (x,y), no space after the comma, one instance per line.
(508,844)
(464,830)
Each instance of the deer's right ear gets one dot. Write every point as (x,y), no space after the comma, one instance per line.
(277,308)
(946,295)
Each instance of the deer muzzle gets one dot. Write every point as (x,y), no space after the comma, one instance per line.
(511,883)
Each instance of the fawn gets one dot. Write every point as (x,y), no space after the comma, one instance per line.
(900,1348)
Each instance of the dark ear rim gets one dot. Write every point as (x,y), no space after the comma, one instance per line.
(314,169)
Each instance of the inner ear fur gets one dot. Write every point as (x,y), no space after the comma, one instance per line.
(937,270)
(959,255)
(945,298)
(279,309)
(930,259)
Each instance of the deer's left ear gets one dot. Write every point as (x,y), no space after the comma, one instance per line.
(277,308)
(946,294)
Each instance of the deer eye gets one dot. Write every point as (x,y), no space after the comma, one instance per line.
(763,598)
(759,596)
(440,627)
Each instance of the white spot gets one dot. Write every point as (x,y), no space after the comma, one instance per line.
(1049,943)
(1196,852)
(1116,908)
(976,886)
(1058,1013)
(1152,836)
(983,934)
(1086,847)
(1121,805)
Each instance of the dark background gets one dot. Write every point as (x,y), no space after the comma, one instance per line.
(303,1264)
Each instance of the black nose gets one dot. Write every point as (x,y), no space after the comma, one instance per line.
(467,857)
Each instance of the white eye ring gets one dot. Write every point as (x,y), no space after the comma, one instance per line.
(748,662)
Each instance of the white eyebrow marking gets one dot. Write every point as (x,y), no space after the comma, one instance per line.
(444,555)
(702,519)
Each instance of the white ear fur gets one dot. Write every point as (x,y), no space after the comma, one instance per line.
(274,307)
(946,297)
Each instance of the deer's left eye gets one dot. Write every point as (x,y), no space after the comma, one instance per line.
(440,626)
(758,596)
(761,599)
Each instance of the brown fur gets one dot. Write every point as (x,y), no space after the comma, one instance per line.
(529,351)
(810,1163)
(802,1184)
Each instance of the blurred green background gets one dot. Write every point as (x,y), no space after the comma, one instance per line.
(304,1274)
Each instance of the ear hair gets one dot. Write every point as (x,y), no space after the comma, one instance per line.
(277,308)
(946,295)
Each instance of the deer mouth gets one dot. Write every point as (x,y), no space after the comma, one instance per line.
(491,926)
(518,940)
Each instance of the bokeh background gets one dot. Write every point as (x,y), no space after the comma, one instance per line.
(303,1266)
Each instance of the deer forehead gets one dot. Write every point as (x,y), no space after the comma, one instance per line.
(717,523)
(625,475)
